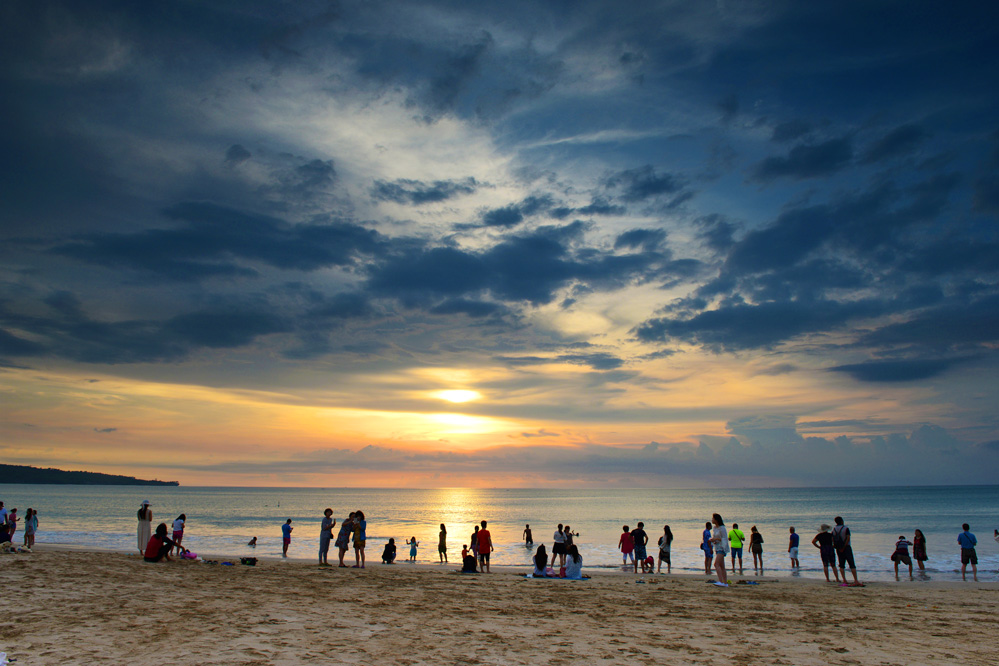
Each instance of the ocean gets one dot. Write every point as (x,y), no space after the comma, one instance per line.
(223,519)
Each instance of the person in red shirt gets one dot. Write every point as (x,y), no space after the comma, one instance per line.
(485,547)
(159,545)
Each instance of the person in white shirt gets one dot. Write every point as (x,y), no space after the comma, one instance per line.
(558,548)
(574,564)
(178,530)
(719,539)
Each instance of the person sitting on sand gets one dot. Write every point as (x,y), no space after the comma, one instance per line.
(468,562)
(252,543)
(574,564)
(388,555)
(160,545)
(540,562)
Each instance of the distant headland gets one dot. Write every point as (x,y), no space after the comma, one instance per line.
(25,474)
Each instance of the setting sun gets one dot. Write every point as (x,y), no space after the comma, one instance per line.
(458,395)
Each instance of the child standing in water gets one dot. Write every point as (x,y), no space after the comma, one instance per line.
(627,545)
(178,530)
(413,544)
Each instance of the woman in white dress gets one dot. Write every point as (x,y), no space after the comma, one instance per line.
(145,516)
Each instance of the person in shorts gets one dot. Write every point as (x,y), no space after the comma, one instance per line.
(286,537)
(665,545)
(735,539)
(641,540)
(792,548)
(901,555)
(485,548)
(442,544)
(967,541)
(558,548)
(824,542)
(844,551)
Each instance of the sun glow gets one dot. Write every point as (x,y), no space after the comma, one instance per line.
(458,395)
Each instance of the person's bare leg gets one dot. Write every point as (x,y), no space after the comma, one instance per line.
(720,569)
(974,571)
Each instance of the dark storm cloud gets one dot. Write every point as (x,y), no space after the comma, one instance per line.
(647,239)
(906,370)
(212,237)
(900,141)
(236,154)
(471,308)
(415,192)
(508,216)
(744,326)
(644,183)
(790,130)
(595,360)
(531,267)
(946,326)
(806,161)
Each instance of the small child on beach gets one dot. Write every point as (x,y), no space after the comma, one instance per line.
(286,537)
(178,530)
(627,545)
(252,543)
(413,545)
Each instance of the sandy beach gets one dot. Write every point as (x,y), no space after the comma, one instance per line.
(74,607)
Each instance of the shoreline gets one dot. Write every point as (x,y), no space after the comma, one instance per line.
(592,571)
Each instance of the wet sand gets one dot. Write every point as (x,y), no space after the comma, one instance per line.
(73,607)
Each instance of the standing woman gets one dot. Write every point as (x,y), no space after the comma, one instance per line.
(707,548)
(442,544)
(31,526)
(145,515)
(918,548)
(325,534)
(360,536)
(719,539)
(756,547)
(343,537)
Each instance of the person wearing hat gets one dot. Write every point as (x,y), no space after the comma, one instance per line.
(145,516)
(824,542)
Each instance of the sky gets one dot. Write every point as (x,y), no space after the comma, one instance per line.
(519,244)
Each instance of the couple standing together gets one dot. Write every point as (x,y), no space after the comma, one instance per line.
(354,526)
